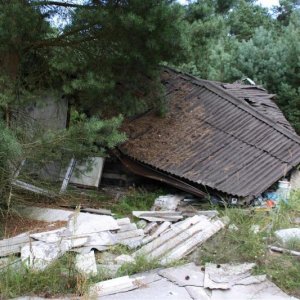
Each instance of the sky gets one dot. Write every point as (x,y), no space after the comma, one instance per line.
(265,3)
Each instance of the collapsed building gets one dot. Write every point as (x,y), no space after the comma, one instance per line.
(231,140)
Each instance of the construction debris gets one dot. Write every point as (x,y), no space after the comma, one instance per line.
(13,245)
(181,239)
(86,264)
(114,286)
(285,235)
(39,255)
(168,202)
(158,216)
(187,283)
(88,173)
(225,276)
(283,250)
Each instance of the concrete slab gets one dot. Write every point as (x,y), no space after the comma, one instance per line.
(43,214)
(224,276)
(161,289)
(186,275)
(261,291)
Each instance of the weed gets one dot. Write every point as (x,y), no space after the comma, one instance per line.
(137,199)
(243,244)
(58,279)
(141,264)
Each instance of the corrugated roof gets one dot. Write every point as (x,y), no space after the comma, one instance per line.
(213,137)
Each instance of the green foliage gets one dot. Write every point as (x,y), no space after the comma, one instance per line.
(135,200)
(240,243)
(58,278)
(10,150)
(141,264)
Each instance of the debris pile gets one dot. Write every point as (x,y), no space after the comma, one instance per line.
(187,282)
(166,236)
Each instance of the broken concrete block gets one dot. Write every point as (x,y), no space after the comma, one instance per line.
(226,275)
(285,235)
(186,275)
(114,286)
(122,259)
(86,264)
(39,255)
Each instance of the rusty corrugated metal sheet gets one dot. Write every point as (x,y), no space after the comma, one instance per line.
(210,136)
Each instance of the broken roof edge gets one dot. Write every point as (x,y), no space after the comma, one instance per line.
(188,182)
(213,87)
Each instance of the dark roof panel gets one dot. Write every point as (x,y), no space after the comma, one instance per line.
(212,136)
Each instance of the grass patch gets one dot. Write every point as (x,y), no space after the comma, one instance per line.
(136,199)
(59,279)
(240,243)
(141,264)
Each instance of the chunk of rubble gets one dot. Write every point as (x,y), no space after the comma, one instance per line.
(86,264)
(285,235)
(226,275)
(39,255)
(186,275)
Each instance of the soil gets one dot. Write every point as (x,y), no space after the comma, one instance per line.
(12,224)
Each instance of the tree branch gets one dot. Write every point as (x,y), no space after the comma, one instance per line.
(63,4)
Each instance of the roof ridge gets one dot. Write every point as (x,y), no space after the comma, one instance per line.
(212,86)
